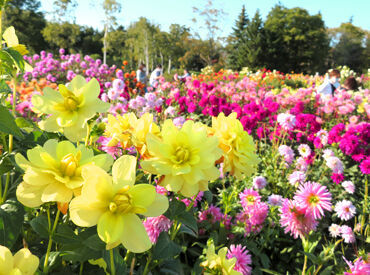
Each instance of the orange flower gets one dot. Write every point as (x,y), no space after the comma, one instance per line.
(127,75)
(124,62)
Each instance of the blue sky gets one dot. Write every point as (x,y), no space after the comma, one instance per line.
(166,12)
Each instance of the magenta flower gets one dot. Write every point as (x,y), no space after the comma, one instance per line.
(275,200)
(213,214)
(249,197)
(347,234)
(314,197)
(243,258)
(365,166)
(259,182)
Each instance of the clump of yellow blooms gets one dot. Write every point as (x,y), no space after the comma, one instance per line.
(185,157)
(127,130)
(237,145)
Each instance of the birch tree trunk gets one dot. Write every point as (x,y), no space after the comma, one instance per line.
(105,44)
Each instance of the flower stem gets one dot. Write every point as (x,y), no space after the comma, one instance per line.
(51,233)
(112,267)
(304,265)
(146,269)
(87,135)
(81,268)
(365,206)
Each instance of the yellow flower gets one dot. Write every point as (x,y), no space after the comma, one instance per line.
(218,262)
(120,128)
(70,108)
(113,202)
(185,157)
(12,41)
(237,146)
(53,172)
(141,129)
(22,263)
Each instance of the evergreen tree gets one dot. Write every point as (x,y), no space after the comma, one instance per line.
(236,39)
(251,50)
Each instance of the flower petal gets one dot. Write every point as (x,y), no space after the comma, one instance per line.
(84,214)
(142,194)
(158,207)
(64,148)
(29,195)
(6,260)
(26,262)
(50,124)
(57,192)
(77,83)
(124,170)
(111,227)
(134,237)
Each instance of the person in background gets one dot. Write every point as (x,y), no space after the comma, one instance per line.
(330,84)
(183,77)
(141,75)
(155,75)
(350,84)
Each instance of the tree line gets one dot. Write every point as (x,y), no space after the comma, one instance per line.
(288,40)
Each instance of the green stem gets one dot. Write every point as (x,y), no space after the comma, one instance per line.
(87,135)
(81,268)
(146,269)
(304,265)
(112,267)
(365,207)
(51,233)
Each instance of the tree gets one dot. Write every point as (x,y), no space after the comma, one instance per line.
(211,20)
(236,39)
(252,48)
(28,22)
(295,40)
(111,8)
(63,9)
(63,35)
(350,46)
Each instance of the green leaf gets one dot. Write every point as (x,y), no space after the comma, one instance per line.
(165,248)
(5,164)
(40,226)
(327,271)
(4,88)
(95,243)
(265,260)
(11,219)
(25,124)
(270,271)
(186,230)
(17,58)
(189,220)
(7,123)
(65,235)
(171,267)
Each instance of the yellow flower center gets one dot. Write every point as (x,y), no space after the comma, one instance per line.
(181,155)
(250,199)
(71,103)
(313,199)
(123,203)
(69,164)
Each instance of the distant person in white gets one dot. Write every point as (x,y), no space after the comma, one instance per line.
(155,76)
(330,84)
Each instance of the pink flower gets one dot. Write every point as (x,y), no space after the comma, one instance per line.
(287,153)
(275,200)
(335,230)
(297,177)
(243,258)
(249,197)
(296,219)
(337,178)
(155,225)
(347,234)
(286,121)
(259,182)
(359,267)
(345,210)
(213,214)
(348,186)
(314,197)
(257,213)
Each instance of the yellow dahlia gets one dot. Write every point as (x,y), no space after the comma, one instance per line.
(185,157)
(112,203)
(53,172)
(22,263)
(238,147)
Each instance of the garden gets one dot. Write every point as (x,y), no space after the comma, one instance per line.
(222,172)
